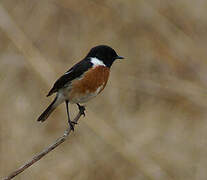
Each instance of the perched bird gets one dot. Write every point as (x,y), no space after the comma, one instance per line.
(84,81)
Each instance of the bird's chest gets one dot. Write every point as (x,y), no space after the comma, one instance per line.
(89,85)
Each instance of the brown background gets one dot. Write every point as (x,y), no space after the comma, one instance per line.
(150,121)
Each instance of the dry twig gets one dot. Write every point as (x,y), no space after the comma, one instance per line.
(45,151)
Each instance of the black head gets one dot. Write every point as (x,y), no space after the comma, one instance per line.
(104,53)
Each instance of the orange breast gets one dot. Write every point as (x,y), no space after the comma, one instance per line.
(93,80)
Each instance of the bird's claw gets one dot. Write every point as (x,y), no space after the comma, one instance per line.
(72,125)
(82,110)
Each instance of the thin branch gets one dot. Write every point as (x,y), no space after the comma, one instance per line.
(47,150)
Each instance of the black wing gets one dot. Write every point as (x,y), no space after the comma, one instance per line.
(76,71)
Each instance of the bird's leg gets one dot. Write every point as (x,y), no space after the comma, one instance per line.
(71,123)
(81,109)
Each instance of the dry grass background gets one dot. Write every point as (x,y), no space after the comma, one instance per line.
(151,120)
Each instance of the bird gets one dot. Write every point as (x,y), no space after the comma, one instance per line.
(84,81)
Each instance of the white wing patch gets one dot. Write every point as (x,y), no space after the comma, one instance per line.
(97,62)
(68,72)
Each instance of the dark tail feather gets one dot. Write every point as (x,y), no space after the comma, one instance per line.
(48,111)
(51,92)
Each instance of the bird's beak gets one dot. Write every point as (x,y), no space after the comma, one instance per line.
(119,57)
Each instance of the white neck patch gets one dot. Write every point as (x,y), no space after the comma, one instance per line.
(97,62)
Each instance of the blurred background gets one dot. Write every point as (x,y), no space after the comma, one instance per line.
(150,122)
